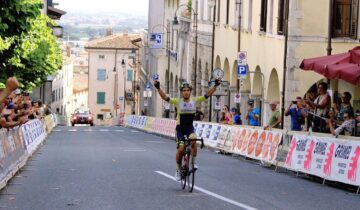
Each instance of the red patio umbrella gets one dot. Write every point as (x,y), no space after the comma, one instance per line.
(343,66)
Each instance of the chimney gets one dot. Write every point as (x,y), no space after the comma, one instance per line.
(109,31)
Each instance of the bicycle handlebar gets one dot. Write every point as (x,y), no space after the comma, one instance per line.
(197,139)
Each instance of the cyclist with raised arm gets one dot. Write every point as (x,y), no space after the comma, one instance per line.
(186,109)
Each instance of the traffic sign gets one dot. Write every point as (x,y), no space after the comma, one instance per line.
(217,105)
(155,77)
(237,98)
(148,85)
(242,58)
(167,106)
(241,71)
(156,41)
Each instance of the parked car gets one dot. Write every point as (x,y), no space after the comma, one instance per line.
(82,117)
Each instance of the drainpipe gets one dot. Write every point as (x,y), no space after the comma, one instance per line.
(284,64)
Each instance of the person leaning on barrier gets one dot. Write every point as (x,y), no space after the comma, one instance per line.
(345,106)
(253,114)
(275,119)
(347,127)
(236,116)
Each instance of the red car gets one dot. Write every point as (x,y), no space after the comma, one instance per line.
(82,117)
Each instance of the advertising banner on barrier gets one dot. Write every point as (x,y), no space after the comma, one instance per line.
(326,157)
(11,151)
(33,133)
(256,144)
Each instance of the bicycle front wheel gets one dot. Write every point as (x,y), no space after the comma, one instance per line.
(191,175)
(184,171)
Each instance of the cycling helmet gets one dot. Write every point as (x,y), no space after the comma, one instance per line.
(185,85)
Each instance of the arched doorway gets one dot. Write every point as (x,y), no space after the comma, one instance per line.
(257,91)
(217,62)
(273,88)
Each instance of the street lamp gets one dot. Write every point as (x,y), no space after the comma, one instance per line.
(195,26)
(167,28)
(123,65)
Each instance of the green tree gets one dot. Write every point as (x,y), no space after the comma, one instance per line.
(28,49)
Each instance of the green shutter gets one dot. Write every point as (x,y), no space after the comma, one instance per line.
(100,97)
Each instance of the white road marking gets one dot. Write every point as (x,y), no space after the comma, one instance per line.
(102,130)
(57,130)
(72,130)
(134,131)
(88,130)
(134,150)
(156,142)
(119,130)
(211,193)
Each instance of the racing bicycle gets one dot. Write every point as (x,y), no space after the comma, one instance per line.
(187,170)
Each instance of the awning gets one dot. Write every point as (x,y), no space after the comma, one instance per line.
(345,66)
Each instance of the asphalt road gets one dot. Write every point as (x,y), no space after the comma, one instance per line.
(121,168)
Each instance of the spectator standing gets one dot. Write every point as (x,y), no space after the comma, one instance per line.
(275,119)
(253,114)
(321,105)
(345,106)
(228,116)
(297,113)
(236,116)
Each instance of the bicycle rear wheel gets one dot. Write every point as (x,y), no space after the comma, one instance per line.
(184,171)
(191,174)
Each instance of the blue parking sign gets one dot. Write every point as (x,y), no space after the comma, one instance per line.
(241,71)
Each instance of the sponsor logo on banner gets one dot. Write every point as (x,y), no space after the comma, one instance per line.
(325,157)
(33,134)
(257,144)
(200,129)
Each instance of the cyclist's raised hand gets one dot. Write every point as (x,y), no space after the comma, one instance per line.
(157,84)
(217,82)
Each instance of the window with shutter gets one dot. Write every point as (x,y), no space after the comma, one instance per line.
(101,74)
(263,15)
(354,18)
(281,17)
(345,18)
(227,11)
(100,98)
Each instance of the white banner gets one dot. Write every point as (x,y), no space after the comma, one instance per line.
(329,158)
(33,134)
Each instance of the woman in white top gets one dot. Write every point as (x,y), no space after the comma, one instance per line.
(322,105)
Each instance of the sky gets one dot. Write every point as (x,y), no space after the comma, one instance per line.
(94,6)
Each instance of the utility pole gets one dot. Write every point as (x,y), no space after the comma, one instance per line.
(167,112)
(238,2)
(286,33)
(196,40)
(212,55)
